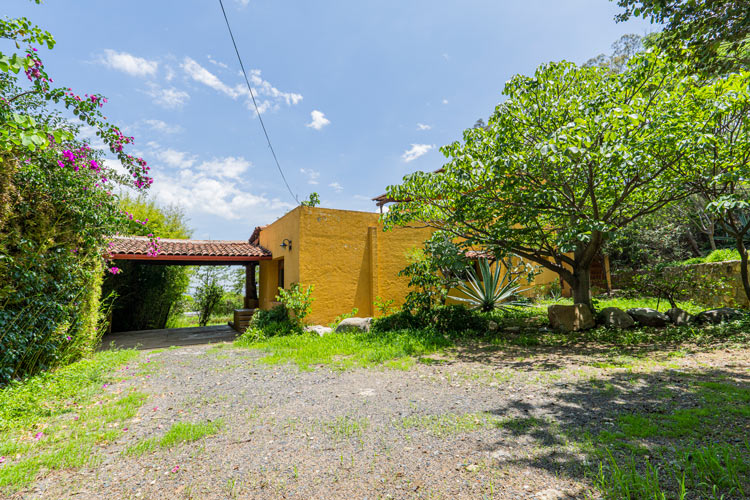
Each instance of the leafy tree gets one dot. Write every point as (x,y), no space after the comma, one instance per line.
(572,156)
(678,283)
(724,162)
(209,292)
(713,35)
(623,50)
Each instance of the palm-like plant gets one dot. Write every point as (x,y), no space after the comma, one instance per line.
(489,290)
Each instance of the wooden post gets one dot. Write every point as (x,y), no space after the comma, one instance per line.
(251,291)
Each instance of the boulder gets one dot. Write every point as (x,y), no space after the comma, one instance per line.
(319,329)
(570,318)
(648,317)
(679,317)
(719,315)
(354,325)
(613,317)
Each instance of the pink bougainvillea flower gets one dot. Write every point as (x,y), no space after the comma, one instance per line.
(104,386)
(2,460)
(75,418)
(175,469)
(124,428)
(38,436)
(156,408)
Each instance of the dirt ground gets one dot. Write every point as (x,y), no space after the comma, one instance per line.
(474,423)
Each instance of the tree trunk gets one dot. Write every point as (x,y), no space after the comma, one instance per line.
(582,286)
(710,233)
(743,264)
(693,243)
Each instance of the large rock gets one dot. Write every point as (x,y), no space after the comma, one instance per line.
(679,317)
(719,315)
(648,317)
(319,329)
(570,318)
(354,325)
(613,317)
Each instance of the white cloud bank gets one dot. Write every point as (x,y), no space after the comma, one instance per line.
(319,120)
(128,63)
(169,98)
(312,175)
(416,151)
(267,96)
(422,126)
(336,187)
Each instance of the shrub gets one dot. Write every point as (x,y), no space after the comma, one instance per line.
(458,319)
(453,319)
(208,294)
(273,322)
(297,301)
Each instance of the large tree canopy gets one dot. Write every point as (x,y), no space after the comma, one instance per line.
(572,155)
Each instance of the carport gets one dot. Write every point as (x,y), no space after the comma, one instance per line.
(179,252)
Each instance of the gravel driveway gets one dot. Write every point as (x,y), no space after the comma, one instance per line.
(473,423)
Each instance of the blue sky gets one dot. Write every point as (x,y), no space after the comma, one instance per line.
(354,94)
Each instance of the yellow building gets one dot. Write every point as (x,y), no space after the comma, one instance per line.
(344,254)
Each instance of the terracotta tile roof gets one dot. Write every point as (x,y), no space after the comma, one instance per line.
(139,245)
(255,237)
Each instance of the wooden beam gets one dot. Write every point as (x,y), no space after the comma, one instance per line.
(190,260)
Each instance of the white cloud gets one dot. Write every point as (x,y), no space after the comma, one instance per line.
(173,158)
(445,101)
(163,127)
(416,151)
(230,167)
(319,120)
(169,98)
(336,187)
(422,126)
(201,193)
(312,175)
(217,63)
(267,96)
(169,76)
(128,63)
(243,3)
(202,75)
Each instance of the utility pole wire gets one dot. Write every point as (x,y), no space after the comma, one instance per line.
(257,111)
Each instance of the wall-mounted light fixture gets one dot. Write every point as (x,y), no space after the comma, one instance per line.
(287,243)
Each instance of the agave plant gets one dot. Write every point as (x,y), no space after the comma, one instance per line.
(489,290)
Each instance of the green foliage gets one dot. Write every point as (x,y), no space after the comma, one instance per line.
(272,322)
(719,255)
(208,294)
(297,300)
(56,209)
(713,35)
(490,290)
(572,156)
(384,307)
(432,272)
(452,319)
(312,201)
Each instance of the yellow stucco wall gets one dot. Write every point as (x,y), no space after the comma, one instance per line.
(346,255)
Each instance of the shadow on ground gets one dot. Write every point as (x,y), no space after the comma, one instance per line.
(668,423)
(155,339)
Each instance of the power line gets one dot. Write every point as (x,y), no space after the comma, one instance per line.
(257,111)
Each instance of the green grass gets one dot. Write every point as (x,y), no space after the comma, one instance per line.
(450,424)
(346,427)
(179,433)
(720,255)
(697,450)
(184,321)
(56,420)
(397,350)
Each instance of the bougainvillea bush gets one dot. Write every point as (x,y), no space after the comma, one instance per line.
(57,208)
